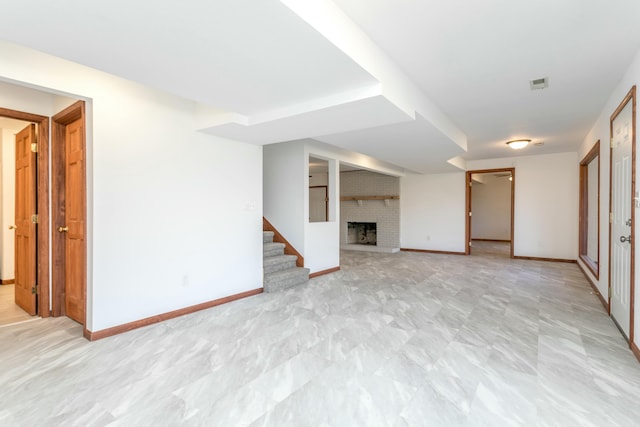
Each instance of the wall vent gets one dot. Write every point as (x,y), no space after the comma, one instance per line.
(541,83)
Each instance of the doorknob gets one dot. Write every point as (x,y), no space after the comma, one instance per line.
(13,227)
(625,239)
(63,229)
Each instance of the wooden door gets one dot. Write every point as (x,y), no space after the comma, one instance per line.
(25,228)
(74,208)
(621,243)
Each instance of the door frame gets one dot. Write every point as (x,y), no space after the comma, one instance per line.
(59,121)
(631,96)
(42,203)
(467,214)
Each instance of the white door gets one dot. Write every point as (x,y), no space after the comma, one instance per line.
(621,198)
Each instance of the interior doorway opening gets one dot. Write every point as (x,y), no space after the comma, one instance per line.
(16,305)
(31,260)
(490,204)
(62,153)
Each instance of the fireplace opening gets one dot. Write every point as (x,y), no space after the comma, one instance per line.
(362,233)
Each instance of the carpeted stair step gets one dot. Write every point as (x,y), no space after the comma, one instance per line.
(272,249)
(278,263)
(285,279)
(267,236)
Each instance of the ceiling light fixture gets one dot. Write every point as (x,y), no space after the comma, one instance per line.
(518,144)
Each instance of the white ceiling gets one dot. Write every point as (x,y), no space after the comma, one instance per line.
(402,81)
(475,59)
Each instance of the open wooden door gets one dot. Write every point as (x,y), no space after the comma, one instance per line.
(75,255)
(25,220)
(69,250)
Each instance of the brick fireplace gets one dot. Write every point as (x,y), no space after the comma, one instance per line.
(383,214)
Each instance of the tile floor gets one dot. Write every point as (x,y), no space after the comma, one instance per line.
(405,339)
(9,312)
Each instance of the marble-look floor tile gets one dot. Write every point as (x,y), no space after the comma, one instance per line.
(428,408)
(504,398)
(407,339)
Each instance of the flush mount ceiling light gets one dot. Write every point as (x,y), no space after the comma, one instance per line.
(518,144)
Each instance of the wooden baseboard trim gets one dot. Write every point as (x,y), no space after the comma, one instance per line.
(635,350)
(595,288)
(491,240)
(277,237)
(323,272)
(104,333)
(429,251)
(533,258)
(7,281)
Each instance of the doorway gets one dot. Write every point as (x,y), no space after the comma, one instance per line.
(65,295)
(622,214)
(17,232)
(489,216)
(36,261)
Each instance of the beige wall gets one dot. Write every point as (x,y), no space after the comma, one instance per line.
(491,208)
(165,230)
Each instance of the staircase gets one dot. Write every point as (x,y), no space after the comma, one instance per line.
(280,271)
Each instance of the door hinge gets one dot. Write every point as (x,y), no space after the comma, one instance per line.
(470,184)
(34,147)
(34,219)
(35,289)
(610,217)
(469,244)
(470,213)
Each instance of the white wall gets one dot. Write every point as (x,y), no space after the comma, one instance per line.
(322,250)
(322,245)
(174,215)
(546,207)
(546,203)
(432,209)
(285,166)
(600,131)
(286,196)
(491,208)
